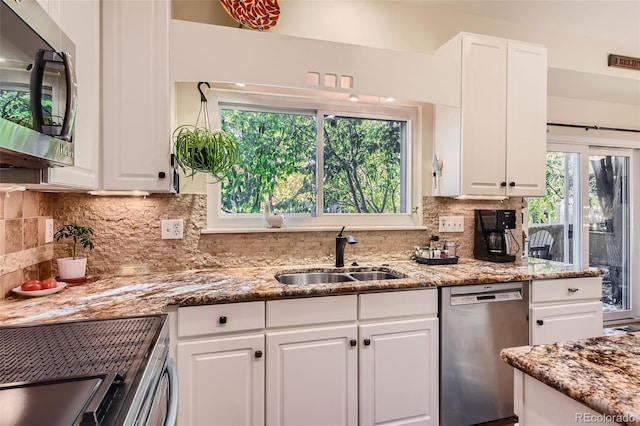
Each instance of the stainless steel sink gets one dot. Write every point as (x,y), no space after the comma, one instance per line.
(374,275)
(302,278)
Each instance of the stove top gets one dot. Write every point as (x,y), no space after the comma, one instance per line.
(81,372)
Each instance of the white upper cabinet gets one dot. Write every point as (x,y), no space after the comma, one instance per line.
(495,143)
(136,137)
(80,20)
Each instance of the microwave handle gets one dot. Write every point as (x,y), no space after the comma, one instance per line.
(72,97)
(37,80)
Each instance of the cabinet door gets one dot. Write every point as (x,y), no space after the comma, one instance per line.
(312,377)
(558,323)
(399,373)
(136,142)
(221,381)
(80,20)
(484,82)
(526,120)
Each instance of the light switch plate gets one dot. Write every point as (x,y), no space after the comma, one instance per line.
(451,224)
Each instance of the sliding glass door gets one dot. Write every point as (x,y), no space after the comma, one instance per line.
(609,225)
(585,218)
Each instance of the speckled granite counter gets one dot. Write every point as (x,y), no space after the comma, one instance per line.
(149,294)
(602,373)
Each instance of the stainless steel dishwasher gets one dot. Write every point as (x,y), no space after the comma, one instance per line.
(476,322)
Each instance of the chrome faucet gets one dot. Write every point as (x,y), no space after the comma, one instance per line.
(341,243)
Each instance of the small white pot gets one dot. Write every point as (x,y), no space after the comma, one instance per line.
(69,268)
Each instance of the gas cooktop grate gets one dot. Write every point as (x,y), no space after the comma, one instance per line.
(51,351)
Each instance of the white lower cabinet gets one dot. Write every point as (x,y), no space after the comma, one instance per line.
(565,309)
(221,381)
(220,359)
(312,376)
(539,404)
(353,360)
(399,372)
(565,322)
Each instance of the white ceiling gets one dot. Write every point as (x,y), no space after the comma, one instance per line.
(609,19)
(616,20)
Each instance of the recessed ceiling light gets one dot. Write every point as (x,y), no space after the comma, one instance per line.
(240,84)
(389,99)
(353,98)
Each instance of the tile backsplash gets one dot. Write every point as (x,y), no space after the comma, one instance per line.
(127,232)
(23,252)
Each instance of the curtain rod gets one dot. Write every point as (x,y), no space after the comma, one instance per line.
(587,128)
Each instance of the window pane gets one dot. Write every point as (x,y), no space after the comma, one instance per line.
(554,219)
(277,161)
(609,228)
(363,165)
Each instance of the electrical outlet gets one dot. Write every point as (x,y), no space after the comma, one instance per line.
(48,230)
(172,229)
(451,224)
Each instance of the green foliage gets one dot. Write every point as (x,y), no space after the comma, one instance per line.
(543,209)
(14,106)
(198,149)
(277,159)
(362,165)
(79,235)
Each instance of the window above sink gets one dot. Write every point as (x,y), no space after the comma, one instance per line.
(322,162)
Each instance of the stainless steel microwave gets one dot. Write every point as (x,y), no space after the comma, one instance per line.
(38,89)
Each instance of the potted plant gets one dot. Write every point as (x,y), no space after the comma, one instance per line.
(198,149)
(74,267)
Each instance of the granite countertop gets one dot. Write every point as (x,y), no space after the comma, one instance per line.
(601,372)
(153,293)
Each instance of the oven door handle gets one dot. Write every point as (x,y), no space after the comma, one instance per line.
(172,405)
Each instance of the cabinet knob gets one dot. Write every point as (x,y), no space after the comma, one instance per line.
(222,320)
(367,342)
(162,175)
(258,354)
(572,290)
(353,342)
(503,183)
(540,322)
(512,184)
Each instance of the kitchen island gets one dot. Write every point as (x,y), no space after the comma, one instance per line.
(153,293)
(593,380)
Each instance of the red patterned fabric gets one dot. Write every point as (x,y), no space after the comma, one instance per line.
(260,15)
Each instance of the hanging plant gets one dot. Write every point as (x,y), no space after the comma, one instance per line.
(199,149)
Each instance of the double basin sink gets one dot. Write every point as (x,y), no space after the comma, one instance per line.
(330,277)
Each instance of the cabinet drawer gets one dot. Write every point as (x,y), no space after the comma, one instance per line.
(567,289)
(398,303)
(313,310)
(231,317)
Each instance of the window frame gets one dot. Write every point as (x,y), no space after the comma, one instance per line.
(217,221)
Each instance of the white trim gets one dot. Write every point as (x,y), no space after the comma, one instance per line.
(310,229)
(221,222)
(586,140)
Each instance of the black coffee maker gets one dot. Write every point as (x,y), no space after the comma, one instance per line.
(491,241)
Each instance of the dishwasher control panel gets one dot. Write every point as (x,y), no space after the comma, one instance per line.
(468,299)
